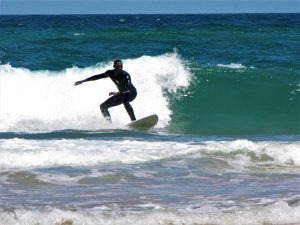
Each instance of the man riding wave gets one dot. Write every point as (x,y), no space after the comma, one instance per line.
(127,92)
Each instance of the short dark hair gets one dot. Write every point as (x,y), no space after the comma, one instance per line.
(117,61)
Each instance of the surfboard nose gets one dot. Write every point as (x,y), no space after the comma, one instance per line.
(145,123)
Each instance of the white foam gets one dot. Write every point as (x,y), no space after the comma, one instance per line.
(278,213)
(78,34)
(280,152)
(18,153)
(232,66)
(48,100)
(239,154)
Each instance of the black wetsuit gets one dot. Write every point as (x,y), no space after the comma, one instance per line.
(127,92)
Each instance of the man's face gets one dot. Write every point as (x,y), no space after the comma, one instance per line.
(118,66)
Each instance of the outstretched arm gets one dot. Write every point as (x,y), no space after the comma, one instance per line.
(95,77)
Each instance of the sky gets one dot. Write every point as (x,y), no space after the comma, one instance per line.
(29,7)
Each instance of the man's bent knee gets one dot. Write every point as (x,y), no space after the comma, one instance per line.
(103,107)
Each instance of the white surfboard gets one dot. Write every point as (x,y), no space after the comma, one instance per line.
(145,123)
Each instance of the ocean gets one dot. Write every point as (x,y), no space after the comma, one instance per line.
(226,149)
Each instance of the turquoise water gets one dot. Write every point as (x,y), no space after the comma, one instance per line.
(226,89)
(243,69)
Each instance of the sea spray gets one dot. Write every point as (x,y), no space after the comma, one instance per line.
(48,100)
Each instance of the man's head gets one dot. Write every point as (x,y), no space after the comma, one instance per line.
(118,65)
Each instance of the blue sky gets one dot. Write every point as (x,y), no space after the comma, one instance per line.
(146,6)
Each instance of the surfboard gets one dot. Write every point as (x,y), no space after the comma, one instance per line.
(145,123)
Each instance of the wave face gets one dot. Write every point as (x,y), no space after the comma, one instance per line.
(202,74)
(235,99)
(188,98)
(48,100)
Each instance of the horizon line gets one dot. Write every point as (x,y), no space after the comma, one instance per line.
(99,14)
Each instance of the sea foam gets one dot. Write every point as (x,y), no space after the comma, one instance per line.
(278,213)
(232,66)
(237,155)
(48,100)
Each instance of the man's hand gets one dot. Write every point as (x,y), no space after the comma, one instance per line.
(114,93)
(78,82)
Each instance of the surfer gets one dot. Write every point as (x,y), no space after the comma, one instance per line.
(126,93)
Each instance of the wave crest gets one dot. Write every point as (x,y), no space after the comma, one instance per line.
(48,100)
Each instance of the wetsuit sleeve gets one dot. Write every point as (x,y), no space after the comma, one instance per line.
(96,77)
